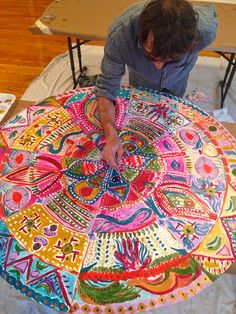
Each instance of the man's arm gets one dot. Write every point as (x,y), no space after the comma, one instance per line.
(107,85)
(113,149)
(207,25)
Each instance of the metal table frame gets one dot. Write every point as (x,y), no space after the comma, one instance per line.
(77,46)
(229,75)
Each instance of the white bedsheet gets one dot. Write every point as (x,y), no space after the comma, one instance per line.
(219,298)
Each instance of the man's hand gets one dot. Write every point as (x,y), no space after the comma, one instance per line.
(112,151)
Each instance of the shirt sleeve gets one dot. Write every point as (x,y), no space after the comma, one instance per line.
(112,67)
(207,25)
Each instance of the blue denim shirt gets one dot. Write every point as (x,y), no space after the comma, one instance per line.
(122,48)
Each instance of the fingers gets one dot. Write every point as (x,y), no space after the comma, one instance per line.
(112,152)
(119,154)
(110,157)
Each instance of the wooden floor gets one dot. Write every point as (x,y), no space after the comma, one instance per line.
(23,56)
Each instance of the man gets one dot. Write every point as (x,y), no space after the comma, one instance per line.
(159,41)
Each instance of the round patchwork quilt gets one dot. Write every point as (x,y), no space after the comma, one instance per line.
(80,237)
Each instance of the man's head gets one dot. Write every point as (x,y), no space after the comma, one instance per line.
(167,29)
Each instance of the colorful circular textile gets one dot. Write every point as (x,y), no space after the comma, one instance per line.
(80,237)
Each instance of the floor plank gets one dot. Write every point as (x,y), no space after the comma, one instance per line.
(23,56)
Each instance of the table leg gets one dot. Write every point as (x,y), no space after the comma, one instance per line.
(229,75)
(79,54)
(72,63)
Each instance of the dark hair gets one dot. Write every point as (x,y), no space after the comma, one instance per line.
(173,25)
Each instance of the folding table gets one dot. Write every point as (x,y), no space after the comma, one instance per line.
(89,20)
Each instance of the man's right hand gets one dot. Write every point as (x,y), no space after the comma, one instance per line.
(112,151)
